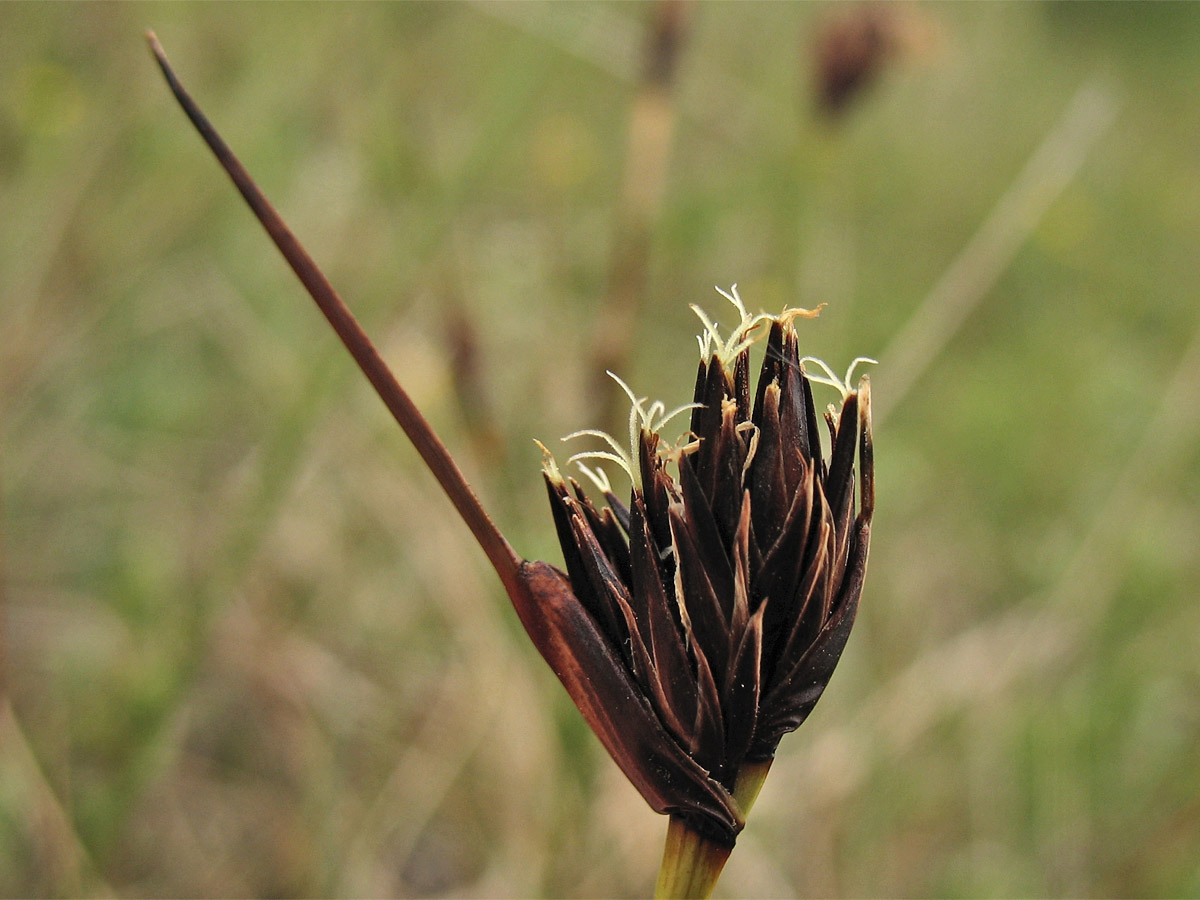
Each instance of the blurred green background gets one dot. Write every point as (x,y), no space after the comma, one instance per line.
(249,650)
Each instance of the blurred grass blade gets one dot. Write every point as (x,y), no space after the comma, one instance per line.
(1013,219)
(652,120)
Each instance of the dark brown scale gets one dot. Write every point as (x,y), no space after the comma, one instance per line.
(607,529)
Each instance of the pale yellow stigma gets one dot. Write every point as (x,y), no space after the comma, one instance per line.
(727,349)
(652,418)
(743,335)
(829,378)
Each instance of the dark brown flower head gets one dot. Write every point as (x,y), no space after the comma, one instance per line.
(715,605)
(851,48)
(858,42)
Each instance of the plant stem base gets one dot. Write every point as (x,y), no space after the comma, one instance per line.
(691,864)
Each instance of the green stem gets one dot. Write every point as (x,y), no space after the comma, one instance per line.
(749,782)
(691,862)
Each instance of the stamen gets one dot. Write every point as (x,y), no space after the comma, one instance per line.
(796,312)
(681,449)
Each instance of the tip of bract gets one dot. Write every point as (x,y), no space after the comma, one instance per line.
(549,466)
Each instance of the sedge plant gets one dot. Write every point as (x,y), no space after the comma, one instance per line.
(697,623)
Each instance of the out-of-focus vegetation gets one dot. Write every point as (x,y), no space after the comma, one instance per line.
(249,650)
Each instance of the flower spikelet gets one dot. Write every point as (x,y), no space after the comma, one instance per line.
(721,596)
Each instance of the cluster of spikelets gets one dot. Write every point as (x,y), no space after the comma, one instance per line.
(723,593)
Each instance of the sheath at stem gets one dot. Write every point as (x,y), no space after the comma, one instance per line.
(692,863)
